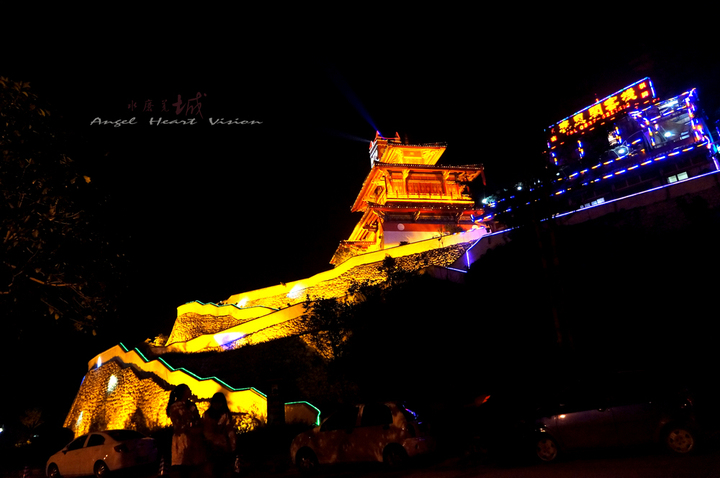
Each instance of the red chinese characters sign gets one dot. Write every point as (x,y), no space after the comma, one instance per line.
(638,93)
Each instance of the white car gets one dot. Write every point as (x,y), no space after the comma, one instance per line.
(384,432)
(99,453)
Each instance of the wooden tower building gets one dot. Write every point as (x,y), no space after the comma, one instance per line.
(407,197)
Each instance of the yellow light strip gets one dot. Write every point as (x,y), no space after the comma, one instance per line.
(361,259)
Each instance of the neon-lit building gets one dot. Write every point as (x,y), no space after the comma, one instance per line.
(628,142)
(407,197)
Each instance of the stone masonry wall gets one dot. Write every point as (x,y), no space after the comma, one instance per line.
(370,273)
(113,397)
(191,325)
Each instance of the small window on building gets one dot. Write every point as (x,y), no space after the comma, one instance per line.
(681,176)
(594,203)
(672,179)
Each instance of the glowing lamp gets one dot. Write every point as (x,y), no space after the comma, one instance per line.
(112,383)
(296,291)
(227,337)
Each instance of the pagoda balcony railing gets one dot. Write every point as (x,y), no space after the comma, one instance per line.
(430,195)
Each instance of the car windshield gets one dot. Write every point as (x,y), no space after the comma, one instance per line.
(77,443)
(122,435)
(344,418)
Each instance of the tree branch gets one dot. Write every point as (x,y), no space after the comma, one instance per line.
(53,284)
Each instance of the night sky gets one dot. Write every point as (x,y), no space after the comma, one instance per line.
(211,211)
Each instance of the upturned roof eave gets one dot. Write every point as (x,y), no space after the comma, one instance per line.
(478,169)
(357,205)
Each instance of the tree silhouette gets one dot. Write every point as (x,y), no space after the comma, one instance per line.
(56,260)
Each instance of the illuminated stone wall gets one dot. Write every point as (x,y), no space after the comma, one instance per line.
(135,396)
(112,397)
(115,397)
(294,289)
(370,273)
(191,325)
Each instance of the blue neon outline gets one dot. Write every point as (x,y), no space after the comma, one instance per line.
(635,194)
(677,151)
(683,104)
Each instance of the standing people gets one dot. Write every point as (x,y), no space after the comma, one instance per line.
(188,452)
(220,435)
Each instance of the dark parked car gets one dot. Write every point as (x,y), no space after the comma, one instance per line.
(621,410)
(385,432)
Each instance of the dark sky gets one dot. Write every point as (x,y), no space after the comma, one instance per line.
(210,211)
(215,210)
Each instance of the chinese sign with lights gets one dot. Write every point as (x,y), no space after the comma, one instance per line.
(640,92)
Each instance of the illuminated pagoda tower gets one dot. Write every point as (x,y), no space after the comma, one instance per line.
(407,197)
(626,143)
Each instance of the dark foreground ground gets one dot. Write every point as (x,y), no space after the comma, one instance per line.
(635,463)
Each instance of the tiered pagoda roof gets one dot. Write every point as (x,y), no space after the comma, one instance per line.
(406,185)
